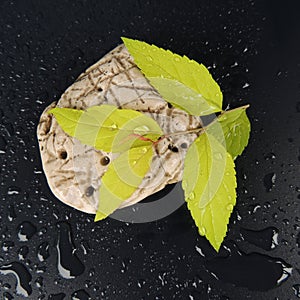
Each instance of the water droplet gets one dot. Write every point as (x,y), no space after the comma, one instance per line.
(266,239)
(39,282)
(149,58)
(26,230)
(202,230)
(7,296)
(11,214)
(191,196)
(43,251)
(141,129)
(199,250)
(22,275)
(68,264)
(114,126)
(270,156)
(245,85)
(218,156)
(3,145)
(134,162)
(59,296)
(177,59)
(80,295)
(144,150)
(269,272)
(229,207)
(296,288)
(269,181)
(13,190)
(7,245)
(23,252)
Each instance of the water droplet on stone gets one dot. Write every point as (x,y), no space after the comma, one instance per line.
(26,230)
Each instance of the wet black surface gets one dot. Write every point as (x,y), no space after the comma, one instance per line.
(252,49)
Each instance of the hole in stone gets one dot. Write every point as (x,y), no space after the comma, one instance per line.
(183,145)
(173,148)
(104,160)
(63,154)
(89,191)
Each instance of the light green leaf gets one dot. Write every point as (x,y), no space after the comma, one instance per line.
(108,128)
(233,129)
(122,178)
(209,186)
(183,97)
(67,118)
(163,64)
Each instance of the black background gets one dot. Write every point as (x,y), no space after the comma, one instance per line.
(252,49)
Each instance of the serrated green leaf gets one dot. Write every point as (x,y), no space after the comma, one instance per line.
(209,186)
(108,128)
(183,97)
(122,178)
(233,129)
(159,63)
(67,118)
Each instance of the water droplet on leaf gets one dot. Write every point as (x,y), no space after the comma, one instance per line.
(229,207)
(202,230)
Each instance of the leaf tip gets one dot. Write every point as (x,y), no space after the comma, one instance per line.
(99,216)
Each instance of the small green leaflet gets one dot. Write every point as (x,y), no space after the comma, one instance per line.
(108,128)
(235,130)
(123,177)
(209,186)
(158,65)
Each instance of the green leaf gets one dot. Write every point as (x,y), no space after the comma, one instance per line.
(183,97)
(122,178)
(158,64)
(67,118)
(108,128)
(232,129)
(209,186)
